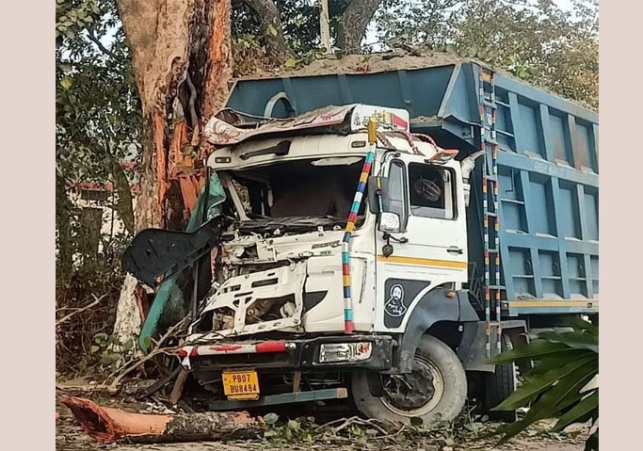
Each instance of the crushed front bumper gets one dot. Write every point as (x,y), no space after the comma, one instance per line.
(297,354)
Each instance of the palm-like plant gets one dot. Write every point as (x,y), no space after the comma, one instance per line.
(561,383)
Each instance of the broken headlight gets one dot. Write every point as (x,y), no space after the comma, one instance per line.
(345,352)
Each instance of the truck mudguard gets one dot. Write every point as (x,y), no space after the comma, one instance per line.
(436,305)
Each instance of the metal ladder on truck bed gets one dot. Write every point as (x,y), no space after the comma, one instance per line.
(492,286)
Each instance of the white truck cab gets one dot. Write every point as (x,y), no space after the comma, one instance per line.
(320,173)
(330,227)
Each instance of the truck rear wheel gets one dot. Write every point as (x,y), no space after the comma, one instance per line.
(499,386)
(435,391)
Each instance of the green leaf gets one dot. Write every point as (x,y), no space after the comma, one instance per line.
(293,425)
(563,394)
(66,83)
(534,386)
(586,407)
(558,361)
(292,62)
(577,340)
(109,359)
(535,349)
(272,30)
(65,68)
(271,418)
(584,325)
(94,349)
(100,337)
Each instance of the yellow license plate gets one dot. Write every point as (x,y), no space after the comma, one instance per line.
(241,385)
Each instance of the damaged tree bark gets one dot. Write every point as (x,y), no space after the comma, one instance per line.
(109,425)
(182,64)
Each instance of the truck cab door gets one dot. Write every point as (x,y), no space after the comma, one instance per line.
(429,248)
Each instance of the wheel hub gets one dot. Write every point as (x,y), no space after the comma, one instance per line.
(420,390)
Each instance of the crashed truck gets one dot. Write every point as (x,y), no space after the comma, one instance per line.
(375,238)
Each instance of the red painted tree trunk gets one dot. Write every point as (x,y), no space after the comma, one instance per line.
(181,57)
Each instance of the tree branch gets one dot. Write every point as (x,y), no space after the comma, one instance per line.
(81,310)
(127,368)
(100,45)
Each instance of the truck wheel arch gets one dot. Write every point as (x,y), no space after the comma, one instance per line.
(438,305)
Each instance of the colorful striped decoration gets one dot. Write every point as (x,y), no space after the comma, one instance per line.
(350,227)
(490,219)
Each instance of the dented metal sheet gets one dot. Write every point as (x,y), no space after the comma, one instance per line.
(228,129)
(239,295)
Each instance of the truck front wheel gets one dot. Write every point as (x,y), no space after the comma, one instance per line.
(435,391)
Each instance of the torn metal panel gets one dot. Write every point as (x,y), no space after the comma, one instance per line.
(238,305)
(230,127)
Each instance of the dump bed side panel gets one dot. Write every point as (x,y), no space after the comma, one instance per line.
(548,201)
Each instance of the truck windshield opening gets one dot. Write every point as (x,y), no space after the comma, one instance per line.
(300,188)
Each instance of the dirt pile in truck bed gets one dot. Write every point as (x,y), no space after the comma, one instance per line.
(360,64)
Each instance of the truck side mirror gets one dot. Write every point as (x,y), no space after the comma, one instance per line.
(387,221)
(374,190)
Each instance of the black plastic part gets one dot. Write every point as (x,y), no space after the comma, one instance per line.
(373,193)
(280,150)
(156,254)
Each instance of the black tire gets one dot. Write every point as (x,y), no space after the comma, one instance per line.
(447,402)
(499,386)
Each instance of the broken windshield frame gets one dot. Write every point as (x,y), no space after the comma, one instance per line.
(299,194)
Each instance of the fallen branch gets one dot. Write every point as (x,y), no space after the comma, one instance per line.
(135,363)
(132,365)
(158,385)
(177,390)
(109,425)
(98,388)
(345,422)
(80,310)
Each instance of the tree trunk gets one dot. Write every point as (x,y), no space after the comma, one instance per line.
(182,64)
(272,34)
(352,24)
(110,425)
(63,225)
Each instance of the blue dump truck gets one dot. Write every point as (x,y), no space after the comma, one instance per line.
(379,236)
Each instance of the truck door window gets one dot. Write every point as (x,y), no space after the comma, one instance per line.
(431,191)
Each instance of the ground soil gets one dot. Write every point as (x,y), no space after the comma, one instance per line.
(70,437)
